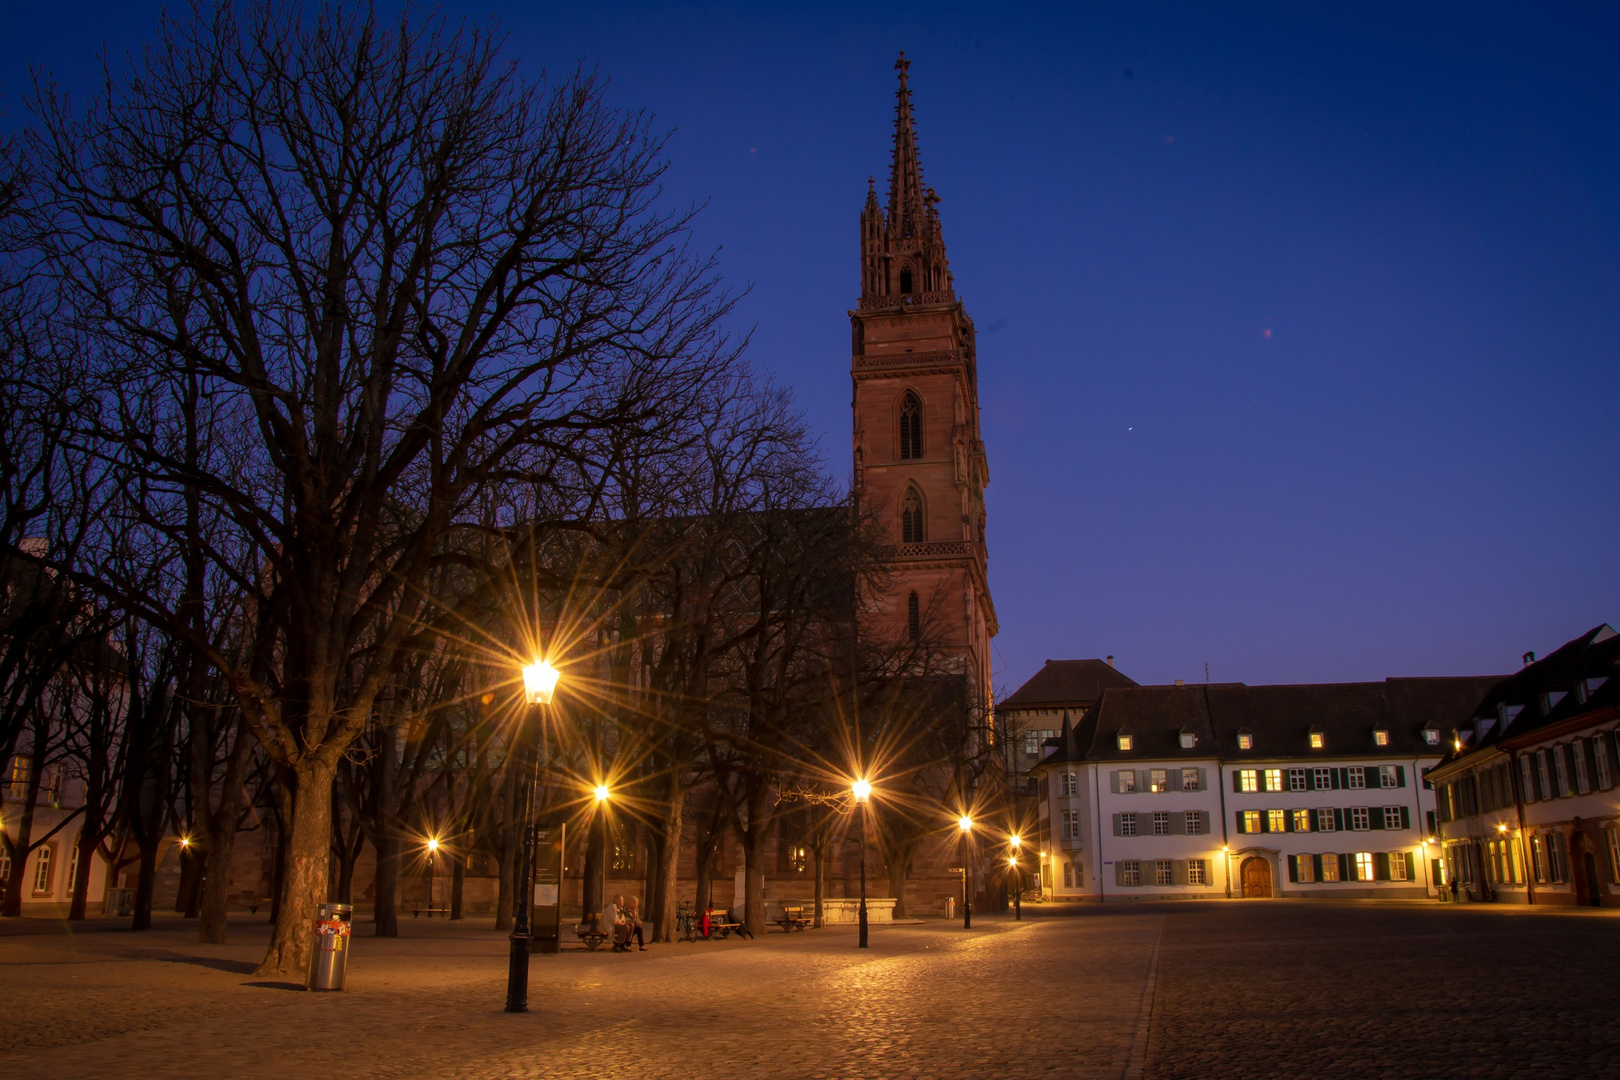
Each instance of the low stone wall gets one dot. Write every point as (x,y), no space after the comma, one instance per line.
(840,909)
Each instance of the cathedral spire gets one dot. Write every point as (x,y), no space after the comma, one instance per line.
(908,203)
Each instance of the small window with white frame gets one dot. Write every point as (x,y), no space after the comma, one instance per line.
(1068,875)
(1360,819)
(1431,736)
(44,870)
(1399,868)
(1276,821)
(1123,741)
(1364,866)
(1127,824)
(1302,820)
(1164,872)
(1130,872)
(1158,780)
(1188,740)
(1248,780)
(1071,824)
(1355,778)
(1197,872)
(1274,779)
(1304,869)
(1392,817)
(1071,784)
(1330,866)
(1161,823)
(1297,780)
(1189,780)
(1318,739)
(1193,822)
(1325,821)
(1380,737)
(1249,821)
(1323,778)
(1125,780)
(1388,777)
(1245,740)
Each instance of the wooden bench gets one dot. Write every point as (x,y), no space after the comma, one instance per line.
(719,927)
(417,909)
(793,918)
(588,933)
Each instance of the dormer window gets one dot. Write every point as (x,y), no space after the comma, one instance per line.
(1431,736)
(1318,739)
(1245,739)
(1380,737)
(1124,741)
(1188,739)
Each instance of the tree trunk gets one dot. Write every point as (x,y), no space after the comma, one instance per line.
(897,887)
(819,868)
(78,907)
(185,898)
(303,880)
(144,886)
(754,881)
(595,883)
(212,905)
(19,850)
(669,863)
(385,887)
(705,884)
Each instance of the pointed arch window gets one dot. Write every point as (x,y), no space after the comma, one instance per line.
(913,616)
(911,518)
(905,279)
(910,427)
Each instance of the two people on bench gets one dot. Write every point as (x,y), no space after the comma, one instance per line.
(623,921)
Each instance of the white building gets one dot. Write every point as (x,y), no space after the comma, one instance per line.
(1258,791)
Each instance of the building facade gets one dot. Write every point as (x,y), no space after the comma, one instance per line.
(1528,797)
(919,461)
(1224,790)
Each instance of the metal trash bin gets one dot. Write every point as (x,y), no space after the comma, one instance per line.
(329,956)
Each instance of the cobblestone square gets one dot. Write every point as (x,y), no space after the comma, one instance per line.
(1258,989)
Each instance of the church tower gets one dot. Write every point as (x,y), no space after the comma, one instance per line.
(919,461)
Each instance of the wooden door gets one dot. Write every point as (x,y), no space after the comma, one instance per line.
(1256,878)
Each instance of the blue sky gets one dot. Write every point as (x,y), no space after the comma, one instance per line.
(1299,324)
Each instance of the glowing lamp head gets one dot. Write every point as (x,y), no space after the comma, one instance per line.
(964,823)
(861,789)
(1012,860)
(185,841)
(539,682)
(602,793)
(433,844)
(1016,841)
(1501,826)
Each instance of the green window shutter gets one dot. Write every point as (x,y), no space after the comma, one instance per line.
(1371,774)
(1310,779)
(1288,821)
(1346,867)
(1381,866)
(1236,773)
(1203,822)
(1119,870)
(1172,779)
(1406,818)
(1316,867)
(1117,831)
(1338,820)
(1203,780)
(1293,868)
(1338,779)
(1375,817)
(1178,871)
(1400,776)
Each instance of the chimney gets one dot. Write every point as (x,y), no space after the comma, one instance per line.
(1529,658)
(1110,661)
(1180,682)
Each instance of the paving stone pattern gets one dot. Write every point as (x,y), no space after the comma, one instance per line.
(1257,989)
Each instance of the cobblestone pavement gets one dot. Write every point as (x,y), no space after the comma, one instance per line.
(1256,989)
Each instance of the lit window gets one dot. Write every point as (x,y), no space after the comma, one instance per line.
(1189,780)
(1130,872)
(1398,866)
(1360,819)
(1355,778)
(1297,780)
(44,876)
(624,855)
(1330,867)
(1318,740)
(1124,741)
(1161,824)
(1380,737)
(1305,868)
(1273,779)
(1245,741)
(1325,821)
(1276,821)
(1158,780)
(1364,866)
(1188,740)
(1164,872)
(1197,872)
(1127,781)
(1302,821)
(1431,736)
(1249,821)
(1248,780)
(1388,777)
(1193,821)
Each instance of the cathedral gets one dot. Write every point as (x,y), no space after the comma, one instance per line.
(919,460)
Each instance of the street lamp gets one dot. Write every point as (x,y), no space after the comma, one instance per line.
(539,683)
(862,791)
(1018,877)
(965,823)
(432,850)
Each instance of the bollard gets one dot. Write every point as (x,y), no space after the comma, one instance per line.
(329,956)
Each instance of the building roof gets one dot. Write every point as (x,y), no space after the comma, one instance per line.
(1279,720)
(1067,682)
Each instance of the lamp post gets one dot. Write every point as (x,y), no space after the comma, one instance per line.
(1018,878)
(965,823)
(432,850)
(539,683)
(862,791)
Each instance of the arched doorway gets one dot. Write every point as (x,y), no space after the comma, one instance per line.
(1256,875)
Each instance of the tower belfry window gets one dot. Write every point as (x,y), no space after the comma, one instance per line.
(911,518)
(910,428)
(905,279)
(913,616)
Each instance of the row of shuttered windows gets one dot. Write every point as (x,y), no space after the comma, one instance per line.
(1137,873)
(1351,866)
(1152,781)
(1325,819)
(1577,767)
(1319,778)
(1504,862)
(1161,823)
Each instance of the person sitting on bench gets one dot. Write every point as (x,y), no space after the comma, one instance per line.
(632,924)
